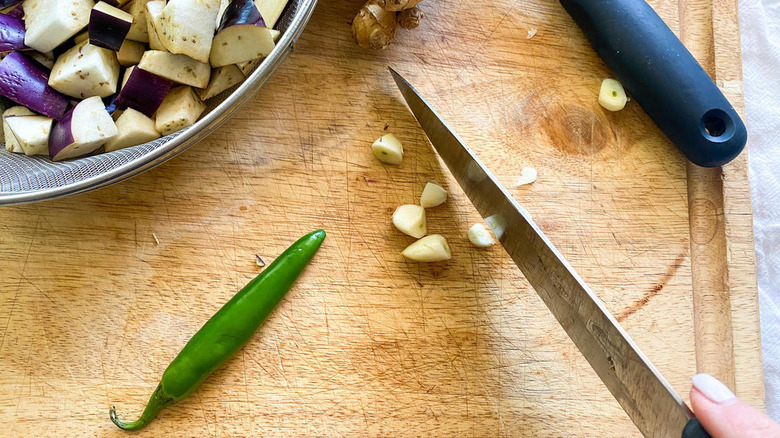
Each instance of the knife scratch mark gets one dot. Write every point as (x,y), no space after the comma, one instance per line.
(655,290)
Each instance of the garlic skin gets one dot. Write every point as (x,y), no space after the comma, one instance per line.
(433,248)
(480,236)
(410,219)
(527,176)
(612,95)
(433,195)
(388,149)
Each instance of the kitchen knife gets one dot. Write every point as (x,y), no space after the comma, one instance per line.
(662,75)
(655,408)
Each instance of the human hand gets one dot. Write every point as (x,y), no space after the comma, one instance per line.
(723,415)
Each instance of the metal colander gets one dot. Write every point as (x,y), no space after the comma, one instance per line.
(29,179)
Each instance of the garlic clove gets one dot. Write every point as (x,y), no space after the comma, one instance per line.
(497,225)
(612,95)
(527,176)
(410,219)
(388,149)
(480,236)
(432,195)
(431,248)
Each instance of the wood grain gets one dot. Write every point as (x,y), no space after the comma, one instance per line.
(92,308)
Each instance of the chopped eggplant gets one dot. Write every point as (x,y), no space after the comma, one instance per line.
(11,144)
(83,36)
(180,109)
(117,3)
(82,130)
(108,26)
(223,4)
(177,68)
(16,11)
(31,133)
(271,10)
(44,59)
(26,82)
(134,128)
(248,66)
(130,53)
(138,31)
(50,23)
(142,91)
(222,78)
(240,43)
(11,33)
(85,71)
(153,11)
(187,27)
(240,12)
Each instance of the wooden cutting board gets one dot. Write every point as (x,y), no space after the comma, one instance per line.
(99,292)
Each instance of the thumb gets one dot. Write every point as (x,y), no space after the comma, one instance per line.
(723,415)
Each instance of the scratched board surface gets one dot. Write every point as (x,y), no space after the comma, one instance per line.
(100,291)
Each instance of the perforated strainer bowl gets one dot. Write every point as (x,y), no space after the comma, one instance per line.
(29,179)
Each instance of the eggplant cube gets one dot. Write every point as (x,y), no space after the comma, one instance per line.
(31,133)
(82,130)
(142,91)
(130,53)
(108,26)
(50,23)
(138,31)
(153,11)
(241,43)
(85,71)
(177,68)
(11,33)
(187,27)
(26,82)
(180,109)
(271,10)
(222,78)
(11,144)
(134,129)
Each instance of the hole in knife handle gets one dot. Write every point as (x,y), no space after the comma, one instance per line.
(717,126)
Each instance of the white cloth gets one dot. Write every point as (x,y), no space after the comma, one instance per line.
(760,23)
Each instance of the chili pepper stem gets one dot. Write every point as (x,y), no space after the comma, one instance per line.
(157,402)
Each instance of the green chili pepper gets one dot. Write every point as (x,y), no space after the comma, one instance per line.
(228,330)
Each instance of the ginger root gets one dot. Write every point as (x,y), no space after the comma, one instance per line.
(375,25)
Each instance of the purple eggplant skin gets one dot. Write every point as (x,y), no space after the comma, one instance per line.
(8,3)
(61,135)
(143,92)
(241,12)
(26,82)
(16,12)
(106,30)
(11,33)
(110,103)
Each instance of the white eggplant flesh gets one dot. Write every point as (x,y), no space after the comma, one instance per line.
(180,109)
(130,53)
(11,145)
(49,23)
(82,130)
(223,4)
(133,128)
(177,68)
(138,30)
(31,133)
(271,10)
(222,78)
(187,27)
(42,58)
(153,11)
(240,43)
(85,71)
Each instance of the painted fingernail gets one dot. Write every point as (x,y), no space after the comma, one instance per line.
(712,388)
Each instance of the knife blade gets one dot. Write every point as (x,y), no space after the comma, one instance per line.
(648,399)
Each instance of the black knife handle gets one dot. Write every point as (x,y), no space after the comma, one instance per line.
(694,429)
(662,75)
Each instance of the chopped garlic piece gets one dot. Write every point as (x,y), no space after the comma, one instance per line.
(612,95)
(480,236)
(388,149)
(531,33)
(431,248)
(497,225)
(432,195)
(410,219)
(527,176)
